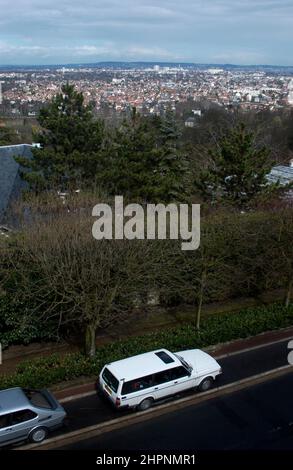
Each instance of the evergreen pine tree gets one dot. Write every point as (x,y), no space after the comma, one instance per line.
(143,161)
(172,162)
(71,141)
(238,169)
(7,136)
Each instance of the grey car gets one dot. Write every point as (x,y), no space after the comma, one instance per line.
(28,415)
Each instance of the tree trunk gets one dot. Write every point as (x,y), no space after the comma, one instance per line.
(289,291)
(201,294)
(198,313)
(90,340)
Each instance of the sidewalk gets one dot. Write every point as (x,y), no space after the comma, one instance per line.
(221,350)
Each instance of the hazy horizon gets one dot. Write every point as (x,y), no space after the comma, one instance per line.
(150,62)
(51,32)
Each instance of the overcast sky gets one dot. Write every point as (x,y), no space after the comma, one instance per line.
(207,31)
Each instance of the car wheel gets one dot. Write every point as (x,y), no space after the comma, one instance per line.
(145,404)
(206,384)
(38,434)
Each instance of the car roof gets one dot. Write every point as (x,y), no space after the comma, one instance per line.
(142,365)
(13,399)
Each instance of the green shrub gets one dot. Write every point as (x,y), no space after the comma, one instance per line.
(220,328)
(19,326)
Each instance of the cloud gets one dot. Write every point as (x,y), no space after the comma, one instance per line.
(109,51)
(198,30)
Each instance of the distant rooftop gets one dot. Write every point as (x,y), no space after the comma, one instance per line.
(281,174)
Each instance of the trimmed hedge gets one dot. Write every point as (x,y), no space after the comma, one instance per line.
(219,328)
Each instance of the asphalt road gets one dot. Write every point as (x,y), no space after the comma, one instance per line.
(258,418)
(93,410)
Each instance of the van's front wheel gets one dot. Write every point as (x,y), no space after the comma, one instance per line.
(206,384)
(145,404)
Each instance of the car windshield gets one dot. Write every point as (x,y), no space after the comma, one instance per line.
(184,363)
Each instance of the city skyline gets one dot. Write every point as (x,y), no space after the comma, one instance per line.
(35,32)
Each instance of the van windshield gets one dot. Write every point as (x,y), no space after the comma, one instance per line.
(184,363)
(110,380)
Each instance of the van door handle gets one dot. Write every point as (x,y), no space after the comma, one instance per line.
(156,388)
(176,382)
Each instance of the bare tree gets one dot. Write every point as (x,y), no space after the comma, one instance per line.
(68,276)
(200,275)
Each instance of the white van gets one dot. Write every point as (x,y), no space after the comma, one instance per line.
(139,381)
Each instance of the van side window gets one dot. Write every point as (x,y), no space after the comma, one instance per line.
(179,372)
(137,384)
(162,377)
(22,416)
(4,421)
(170,375)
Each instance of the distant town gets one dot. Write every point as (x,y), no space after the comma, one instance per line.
(114,88)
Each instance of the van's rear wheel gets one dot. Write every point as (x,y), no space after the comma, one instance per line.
(38,435)
(145,404)
(206,384)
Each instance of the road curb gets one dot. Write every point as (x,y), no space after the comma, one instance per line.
(253,348)
(77,396)
(137,417)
